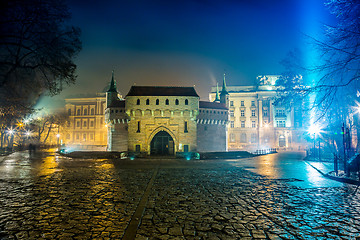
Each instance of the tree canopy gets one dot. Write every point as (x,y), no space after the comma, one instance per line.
(37,49)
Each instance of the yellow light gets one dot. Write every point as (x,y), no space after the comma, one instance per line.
(266,125)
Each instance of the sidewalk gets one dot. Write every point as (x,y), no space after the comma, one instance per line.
(327,170)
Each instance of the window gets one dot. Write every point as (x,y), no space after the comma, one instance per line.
(282,141)
(253,124)
(253,112)
(157,101)
(85,111)
(186,148)
(176,102)
(92,111)
(232,137)
(147,101)
(84,136)
(68,123)
(185,127)
(91,136)
(78,112)
(205,128)
(265,112)
(77,136)
(167,102)
(253,103)
(243,138)
(186,102)
(242,124)
(232,124)
(91,123)
(242,113)
(68,136)
(242,103)
(78,124)
(280,113)
(138,127)
(69,112)
(137,148)
(231,103)
(85,123)
(253,138)
(280,123)
(112,111)
(138,102)
(231,113)
(116,111)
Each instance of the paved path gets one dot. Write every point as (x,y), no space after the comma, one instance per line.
(51,197)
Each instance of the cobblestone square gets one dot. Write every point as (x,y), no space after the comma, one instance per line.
(53,197)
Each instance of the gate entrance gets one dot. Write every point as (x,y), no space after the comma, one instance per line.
(162,144)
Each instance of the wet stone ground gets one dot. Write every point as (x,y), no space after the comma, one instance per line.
(51,197)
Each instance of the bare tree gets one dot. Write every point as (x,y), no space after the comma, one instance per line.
(36,50)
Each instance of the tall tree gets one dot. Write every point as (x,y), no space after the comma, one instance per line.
(37,49)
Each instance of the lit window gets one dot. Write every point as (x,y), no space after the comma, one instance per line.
(280,123)
(91,123)
(84,136)
(232,137)
(92,111)
(253,124)
(91,136)
(78,124)
(77,136)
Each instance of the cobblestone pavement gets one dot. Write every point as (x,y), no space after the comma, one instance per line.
(51,197)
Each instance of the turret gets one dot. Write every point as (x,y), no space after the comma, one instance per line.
(217,98)
(112,93)
(224,95)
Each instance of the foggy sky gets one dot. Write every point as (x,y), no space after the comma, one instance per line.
(187,43)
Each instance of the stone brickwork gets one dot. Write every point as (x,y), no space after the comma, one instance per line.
(117,125)
(212,127)
(152,114)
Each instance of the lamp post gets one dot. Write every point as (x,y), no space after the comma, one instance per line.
(315,129)
(344,146)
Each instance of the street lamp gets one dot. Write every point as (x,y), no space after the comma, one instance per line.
(315,130)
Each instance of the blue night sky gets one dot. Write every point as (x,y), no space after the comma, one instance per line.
(186,43)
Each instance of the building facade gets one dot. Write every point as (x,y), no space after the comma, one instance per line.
(164,120)
(85,128)
(256,123)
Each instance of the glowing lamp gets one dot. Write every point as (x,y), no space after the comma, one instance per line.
(314,129)
(57,135)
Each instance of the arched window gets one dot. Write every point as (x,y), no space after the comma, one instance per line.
(147,101)
(92,111)
(186,102)
(85,111)
(78,112)
(243,138)
(157,101)
(176,102)
(138,102)
(69,112)
(85,124)
(167,101)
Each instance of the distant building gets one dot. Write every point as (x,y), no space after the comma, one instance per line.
(164,120)
(86,124)
(255,122)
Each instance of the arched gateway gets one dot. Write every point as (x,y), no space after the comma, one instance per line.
(162,144)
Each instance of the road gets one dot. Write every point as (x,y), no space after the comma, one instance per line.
(277,196)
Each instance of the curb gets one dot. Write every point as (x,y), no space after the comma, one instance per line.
(339,179)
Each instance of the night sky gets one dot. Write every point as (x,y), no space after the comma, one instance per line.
(189,42)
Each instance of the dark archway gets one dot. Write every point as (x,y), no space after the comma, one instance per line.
(162,144)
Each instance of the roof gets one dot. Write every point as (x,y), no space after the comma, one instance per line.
(162,91)
(212,105)
(118,103)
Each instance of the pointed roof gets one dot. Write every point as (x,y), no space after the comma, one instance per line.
(112,87)
(217,98)
(223,90)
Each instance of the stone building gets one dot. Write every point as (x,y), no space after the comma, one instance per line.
(86,126)
(164,120)
(255,122)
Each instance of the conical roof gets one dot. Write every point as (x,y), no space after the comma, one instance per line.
(112,87)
